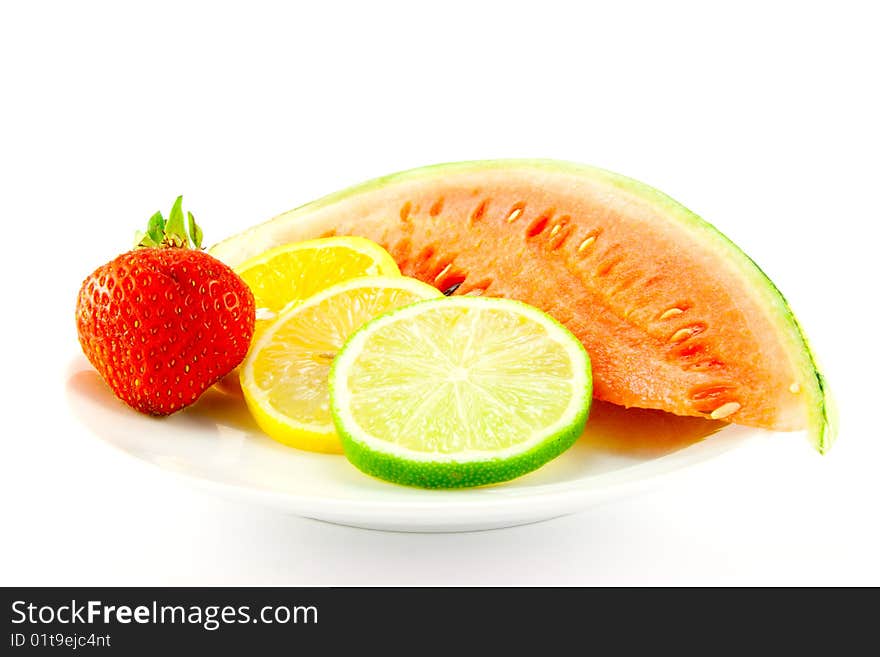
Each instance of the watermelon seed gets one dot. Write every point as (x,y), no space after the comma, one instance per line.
(405,210)
(449,279)
(443,272)
(480,210)
(671,313)
(794,388)
(426,254)
(725,410)
(586,243)
(561,232)
(608,265)
(515,212)
(687,332)
(437,208)
(692,350)
(538,226)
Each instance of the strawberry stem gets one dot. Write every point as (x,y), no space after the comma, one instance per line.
(170,233)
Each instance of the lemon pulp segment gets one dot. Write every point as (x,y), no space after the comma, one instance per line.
(285,376)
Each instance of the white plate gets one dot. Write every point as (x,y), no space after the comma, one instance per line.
(215,443)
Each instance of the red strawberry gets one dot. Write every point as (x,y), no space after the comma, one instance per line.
(164,322)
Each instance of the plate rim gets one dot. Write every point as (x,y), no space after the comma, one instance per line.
(459,505)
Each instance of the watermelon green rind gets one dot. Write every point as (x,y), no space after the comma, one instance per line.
(822,427)
(821,423)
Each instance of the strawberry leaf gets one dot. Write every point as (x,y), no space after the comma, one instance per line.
(156,228)
(142,239)
(175,231)
(195,231)
(171,232)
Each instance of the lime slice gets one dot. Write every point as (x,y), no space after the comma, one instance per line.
(462,391)
(284,377)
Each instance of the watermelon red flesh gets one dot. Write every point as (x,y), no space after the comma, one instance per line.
(674,316)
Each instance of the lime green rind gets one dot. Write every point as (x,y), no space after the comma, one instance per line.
(446,474)
(432,474)
(822,423)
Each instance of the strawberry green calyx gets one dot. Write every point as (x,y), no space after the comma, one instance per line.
(195,231)
(171,232)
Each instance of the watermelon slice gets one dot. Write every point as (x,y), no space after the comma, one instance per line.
(675,316)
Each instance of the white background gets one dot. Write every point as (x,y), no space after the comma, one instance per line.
(762,117)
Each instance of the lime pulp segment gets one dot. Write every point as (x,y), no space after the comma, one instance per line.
(459,391)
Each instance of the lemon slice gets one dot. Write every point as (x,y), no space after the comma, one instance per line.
(289,273)
(293,272)
(284,378)
(457,392)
